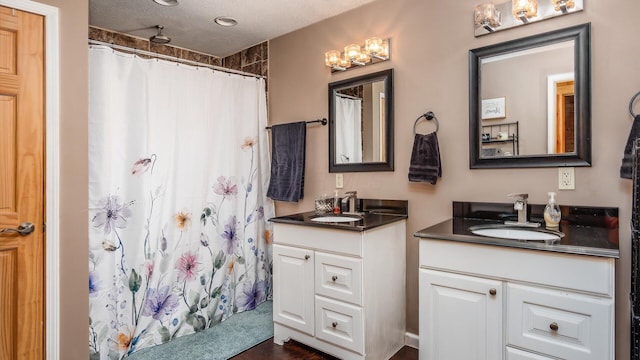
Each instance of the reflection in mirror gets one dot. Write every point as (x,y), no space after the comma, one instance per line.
(360,124)
(530,101)
(506,74)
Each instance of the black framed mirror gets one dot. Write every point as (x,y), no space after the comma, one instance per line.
(530,101)
(361,123)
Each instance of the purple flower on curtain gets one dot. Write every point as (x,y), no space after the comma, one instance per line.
(251,295)
(229,236)
(160,303)
(226,187)
(187,266)
(140,166)
(114,214)
(94,283)
(260,211)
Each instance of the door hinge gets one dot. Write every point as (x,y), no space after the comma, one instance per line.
(44,227)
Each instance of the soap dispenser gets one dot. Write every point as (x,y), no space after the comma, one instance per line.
(552,213)
(336,203)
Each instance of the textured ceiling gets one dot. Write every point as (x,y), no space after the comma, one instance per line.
(190,24)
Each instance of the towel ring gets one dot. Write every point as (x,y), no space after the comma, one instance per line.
(429,115)
(631,104)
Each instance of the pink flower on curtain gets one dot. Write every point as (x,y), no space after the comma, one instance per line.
(249,142)
(140,166)
(226,187)
(187,266)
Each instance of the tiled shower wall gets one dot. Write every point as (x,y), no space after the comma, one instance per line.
(254,60)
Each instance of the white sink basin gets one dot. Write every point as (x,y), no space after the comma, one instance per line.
(338,219)
(517,234)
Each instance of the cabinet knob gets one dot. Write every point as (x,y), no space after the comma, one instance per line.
(553,326)
(334,278)
(334,324)
(307,257)
(493,291)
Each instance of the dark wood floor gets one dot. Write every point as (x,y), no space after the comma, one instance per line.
(294,351)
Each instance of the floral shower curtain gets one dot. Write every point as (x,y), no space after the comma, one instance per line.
(179,171)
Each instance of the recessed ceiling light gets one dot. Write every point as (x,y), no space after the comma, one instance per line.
(166,2)
(225,21)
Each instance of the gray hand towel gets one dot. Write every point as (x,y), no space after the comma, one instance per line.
(288,145)
(626,169)
(425,163)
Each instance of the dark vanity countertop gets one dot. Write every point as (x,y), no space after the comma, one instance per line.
(375,213)
(369,221)
(588,231)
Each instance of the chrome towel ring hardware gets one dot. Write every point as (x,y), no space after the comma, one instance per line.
(429,115)
(633,99)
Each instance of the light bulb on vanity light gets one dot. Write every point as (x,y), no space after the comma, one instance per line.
(563,5)
(524,9)
(352,53)
(333,59)
(487,16)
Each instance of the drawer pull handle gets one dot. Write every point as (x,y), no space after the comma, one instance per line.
(334,324)
(493,291)
(553,326)
(334,278)
(307,257)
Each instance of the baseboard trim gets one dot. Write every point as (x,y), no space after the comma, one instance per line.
(411,340)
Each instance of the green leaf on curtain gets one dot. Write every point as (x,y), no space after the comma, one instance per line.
(216,292)
(134,281)
(165,336)
(219,260)
(240,260)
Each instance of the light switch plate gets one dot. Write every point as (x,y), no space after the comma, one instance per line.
(339,181)
(566,178)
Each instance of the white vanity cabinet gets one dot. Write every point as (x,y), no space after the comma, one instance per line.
(483,302)
(340,291)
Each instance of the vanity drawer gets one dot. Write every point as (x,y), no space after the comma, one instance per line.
(516,354)
(339,323)
(565,324)
(339,277)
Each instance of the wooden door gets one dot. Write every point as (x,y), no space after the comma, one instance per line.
(21,184)
(564,117)
(293,296)
(460,317)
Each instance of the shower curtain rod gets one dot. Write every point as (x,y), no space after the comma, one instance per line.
(173,58)
(348,96)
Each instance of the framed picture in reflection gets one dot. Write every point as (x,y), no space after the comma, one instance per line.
(493,108)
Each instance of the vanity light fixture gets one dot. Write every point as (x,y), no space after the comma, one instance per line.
(487,16)
(563,5)
(375,50)
(490,17)
(524,9)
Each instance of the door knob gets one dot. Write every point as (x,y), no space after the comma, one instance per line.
(334,278)
(493,291)
(24,229)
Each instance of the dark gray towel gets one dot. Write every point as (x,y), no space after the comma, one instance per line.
(288,145)
(626,170)
(425,159)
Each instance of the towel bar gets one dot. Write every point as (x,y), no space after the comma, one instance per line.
(323,121)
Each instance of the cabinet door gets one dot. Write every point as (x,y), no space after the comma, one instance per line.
(293,287)
(460,317)
(516,354)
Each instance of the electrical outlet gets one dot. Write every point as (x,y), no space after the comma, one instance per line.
(566,178)
(339,181)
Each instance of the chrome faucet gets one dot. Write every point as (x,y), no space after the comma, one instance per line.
(351,197)
(520,205)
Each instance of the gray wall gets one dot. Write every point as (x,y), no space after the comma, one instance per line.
(429,49)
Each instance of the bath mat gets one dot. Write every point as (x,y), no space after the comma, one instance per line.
(231,337)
